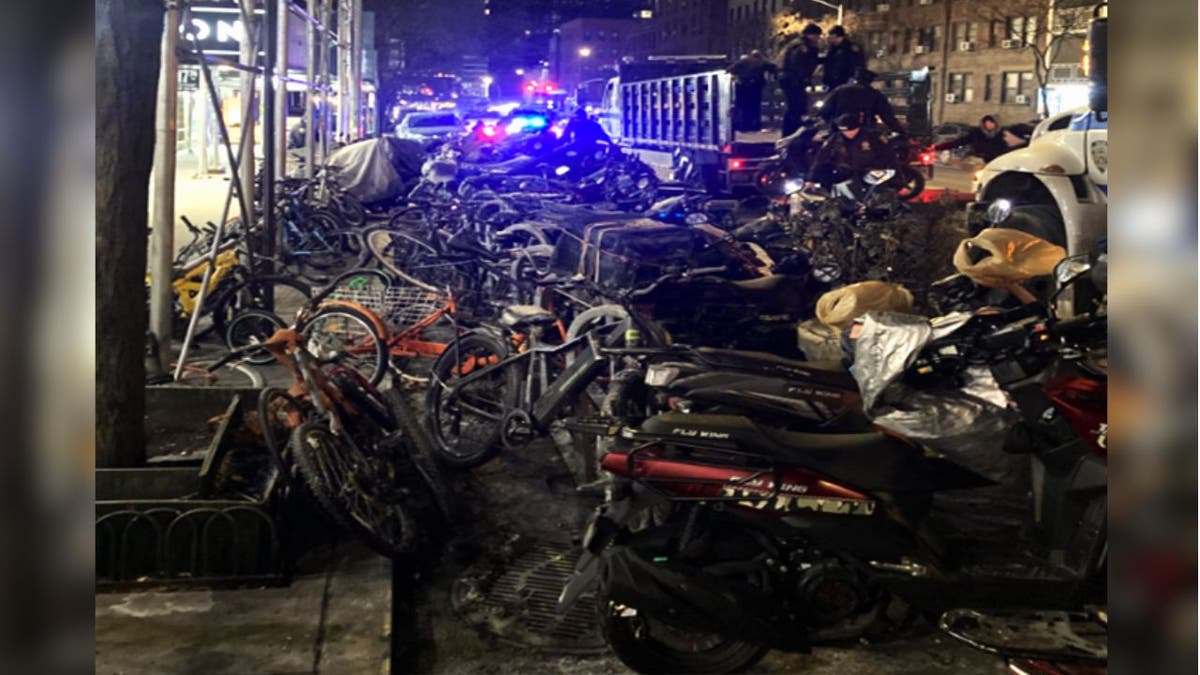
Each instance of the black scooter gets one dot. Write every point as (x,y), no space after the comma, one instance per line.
(726,537)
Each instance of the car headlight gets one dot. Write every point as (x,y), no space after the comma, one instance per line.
(1100,155)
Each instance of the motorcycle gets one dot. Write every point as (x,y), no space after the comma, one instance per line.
(725,537)
(797,152)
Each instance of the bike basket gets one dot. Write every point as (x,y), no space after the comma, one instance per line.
(399,306)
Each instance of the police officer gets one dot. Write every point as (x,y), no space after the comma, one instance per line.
(843,60)
(750,75)
(800,58)
(848,154)
(862,100)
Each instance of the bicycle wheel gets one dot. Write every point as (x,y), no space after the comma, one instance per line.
(465,423)
(408,257)
(249,327)
(350,337)
(421,452)
(343,481)
(281,296)
(351,208)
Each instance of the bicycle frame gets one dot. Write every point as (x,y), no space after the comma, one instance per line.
(568,385)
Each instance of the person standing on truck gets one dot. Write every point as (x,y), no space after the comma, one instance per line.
(849,154)
(798,61)
(859,98)
(989,140)
(843,60)
(749,78)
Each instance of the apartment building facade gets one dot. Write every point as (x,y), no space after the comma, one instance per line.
(978,52)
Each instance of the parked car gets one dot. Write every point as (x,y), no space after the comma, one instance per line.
(949,131)
(429,126)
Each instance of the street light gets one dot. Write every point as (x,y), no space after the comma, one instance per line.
(487,81)
(585,52)
(519,71)
(830,5)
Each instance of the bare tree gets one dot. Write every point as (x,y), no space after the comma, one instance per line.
(1041,26)
(128,36)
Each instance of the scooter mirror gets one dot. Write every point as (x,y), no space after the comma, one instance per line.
(1070,269)
(999,211)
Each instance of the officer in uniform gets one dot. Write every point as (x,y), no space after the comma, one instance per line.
(799,60)
(862,100)
(848,154)
(844,59)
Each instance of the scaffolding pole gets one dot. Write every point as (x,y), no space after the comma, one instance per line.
(281,69)
(358,128)
(310,74)
(248,59)
(162,237)
(323,65)
(343,75)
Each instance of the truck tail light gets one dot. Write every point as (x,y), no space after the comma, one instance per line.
(736,164)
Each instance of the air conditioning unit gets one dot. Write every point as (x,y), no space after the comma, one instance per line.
(883,7)
(920,49)
(966,46)
(924,2)
(1022,99)
(951,98)
(1010,44)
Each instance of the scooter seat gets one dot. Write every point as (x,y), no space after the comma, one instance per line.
(747,360)
(863,461)
(520,317)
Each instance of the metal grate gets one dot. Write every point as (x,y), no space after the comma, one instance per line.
(519,604)
(399,306)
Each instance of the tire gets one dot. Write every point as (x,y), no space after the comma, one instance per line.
(445,416)
(352,209)
(281,296)
(596,316)
(421,448)
(349,335)
(1040,220)
(632,641)
(337,475)
(912,185)
(405,255)
(252,326)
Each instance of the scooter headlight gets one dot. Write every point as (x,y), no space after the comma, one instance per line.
(660,376)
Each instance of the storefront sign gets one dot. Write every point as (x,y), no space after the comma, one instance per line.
(218,30)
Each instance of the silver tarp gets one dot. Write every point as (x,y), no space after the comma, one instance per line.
(967,425)
(377,169)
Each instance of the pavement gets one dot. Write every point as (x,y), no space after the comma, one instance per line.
(336,614)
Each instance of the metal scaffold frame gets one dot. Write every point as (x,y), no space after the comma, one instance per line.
(271,63)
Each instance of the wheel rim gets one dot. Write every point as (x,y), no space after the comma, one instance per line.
(348,338)
(467,420)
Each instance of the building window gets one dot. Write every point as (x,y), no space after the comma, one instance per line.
(874,42)
(965,31)
(960,86)
(997,31)
(989,81)
(1017,84)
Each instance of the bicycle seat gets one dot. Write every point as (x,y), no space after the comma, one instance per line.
(519,317)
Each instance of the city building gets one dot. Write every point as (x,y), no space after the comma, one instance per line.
(589,49)
(983,54)
(689,27)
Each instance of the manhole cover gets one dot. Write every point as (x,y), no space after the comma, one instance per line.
(518,603)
